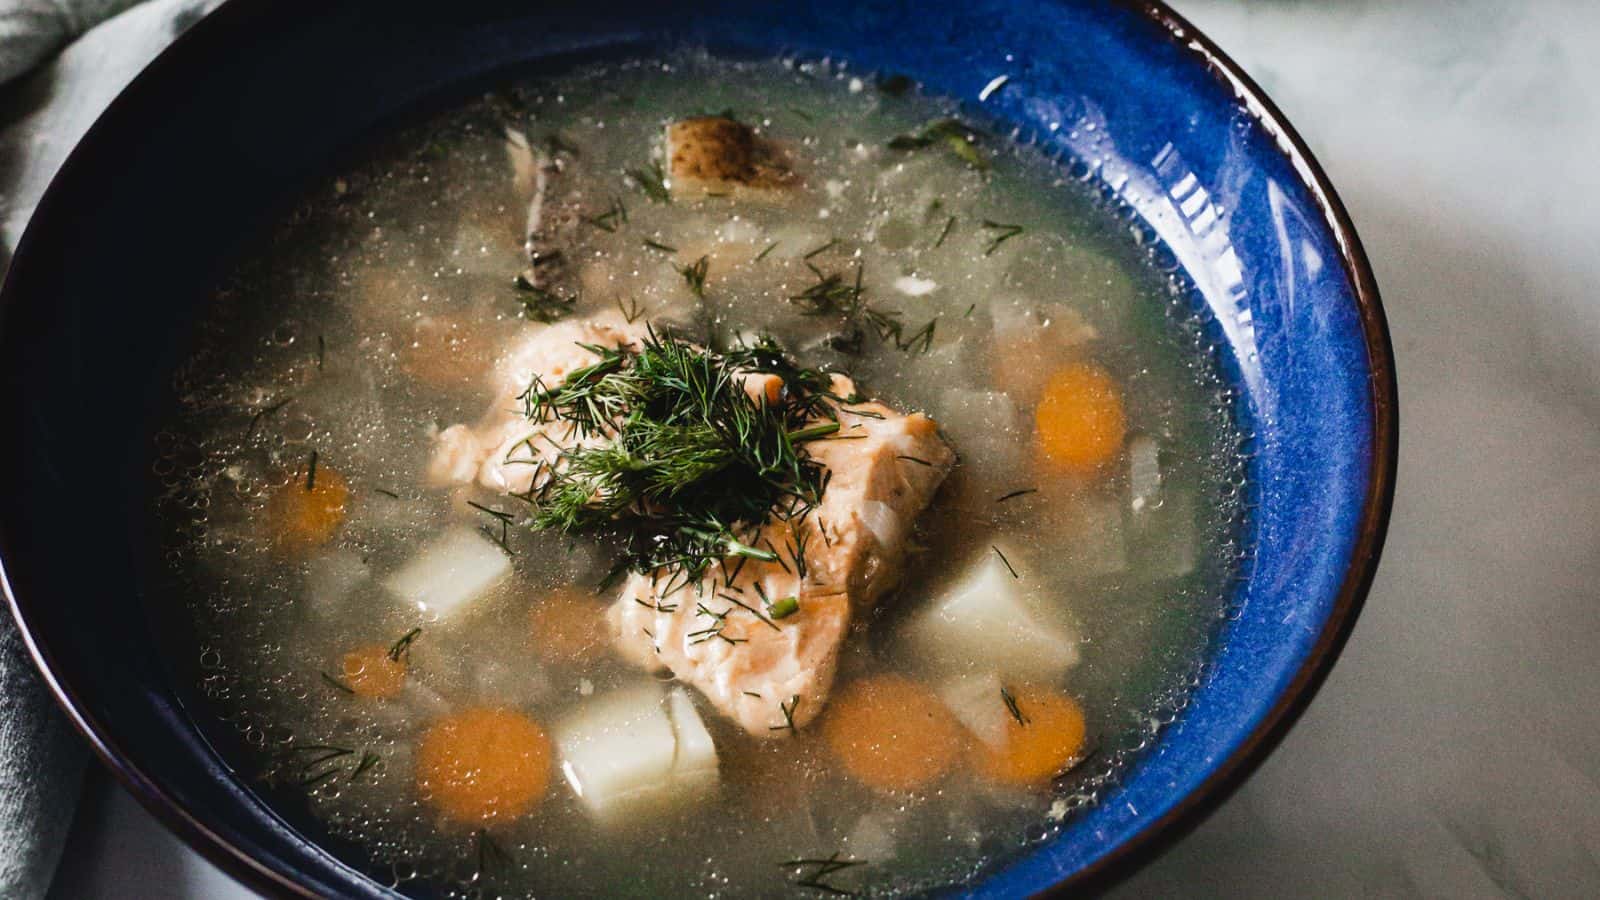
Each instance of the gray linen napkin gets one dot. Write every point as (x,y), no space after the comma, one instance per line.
(42,116)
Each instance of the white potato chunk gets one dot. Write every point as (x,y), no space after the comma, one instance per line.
(450,572)
(635,749)
(976,702)
(988,619)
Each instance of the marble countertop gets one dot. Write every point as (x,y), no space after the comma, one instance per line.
(1455,751)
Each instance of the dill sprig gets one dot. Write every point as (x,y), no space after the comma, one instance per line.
(689,465)
(694,274)
(265,413)
(1015,494)
(657,245)
(1010,701)
(311,472)
(1009,567)
(615,216)
(961,138)
(820,869)
(788,714)
(542,304)
(769,248)
(402,647)
(311,765)
(1001,233)
(652,181)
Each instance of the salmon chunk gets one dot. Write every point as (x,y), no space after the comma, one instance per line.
(505,451)
(716,154)
(772,673)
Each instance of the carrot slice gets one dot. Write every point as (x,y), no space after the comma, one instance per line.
(306,511)
(483,765)
(1042,738)
(891,733)
(371,672)
(1080,422)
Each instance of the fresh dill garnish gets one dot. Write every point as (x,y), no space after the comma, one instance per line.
(609,221)
(763,254)
(970,308)
(492,858)
(914,459)
(945,231)
(652,181)
(336,683)
(1003,559)
(1011,706)
(402,647)
(264,413)
(961,138)
(890,330)
(832,294)
(632,311)
(820,869)
(322,350)
(311,472)
(832,242)
(782,609)
(863,413)
(1002,233)
(802,113)
(752,694)
(368,760)
(694,274)
(542,304)
(748,608)
(1015,494)
(691,465)
(788,714)
(310,765)
(657,245)
(386,492)
(504,519)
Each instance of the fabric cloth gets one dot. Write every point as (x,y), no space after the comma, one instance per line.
(42,115)
(30,30)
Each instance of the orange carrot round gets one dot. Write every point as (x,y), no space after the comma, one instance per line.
(891,733)
(483,765)
(1041,739)
(1080,422)
(306,511)
(370,671)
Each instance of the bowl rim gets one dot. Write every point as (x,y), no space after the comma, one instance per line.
(1153,838)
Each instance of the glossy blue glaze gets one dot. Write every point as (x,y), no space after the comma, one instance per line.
(254,102)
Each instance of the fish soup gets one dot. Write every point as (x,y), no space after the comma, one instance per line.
(694,477)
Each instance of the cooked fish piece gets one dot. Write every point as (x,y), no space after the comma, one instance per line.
(505,451)
(716,154)
(771,673)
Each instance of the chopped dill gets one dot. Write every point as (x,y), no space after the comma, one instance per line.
(657,245)
(336,683)
(542,304)
(788,714)
(504,519)
(492,858)
(402,647)
(652,181)
(802,113)
(1003,559)
(694,274)
(782,609)
(969,310)
(632,311)
(1015,494)
(913,459)
(748,608)
(959,137)
(691,466)
(609,221)
(368,760)
(265,413)
(322,350)
(945,232)
(752,694)
(832,242)
(763,254)
(863,413)
(1003,233)
(311,472)
(386,492)
(831,295)
(820,869)
(1011,706)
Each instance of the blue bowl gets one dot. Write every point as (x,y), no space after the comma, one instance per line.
(249,105)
